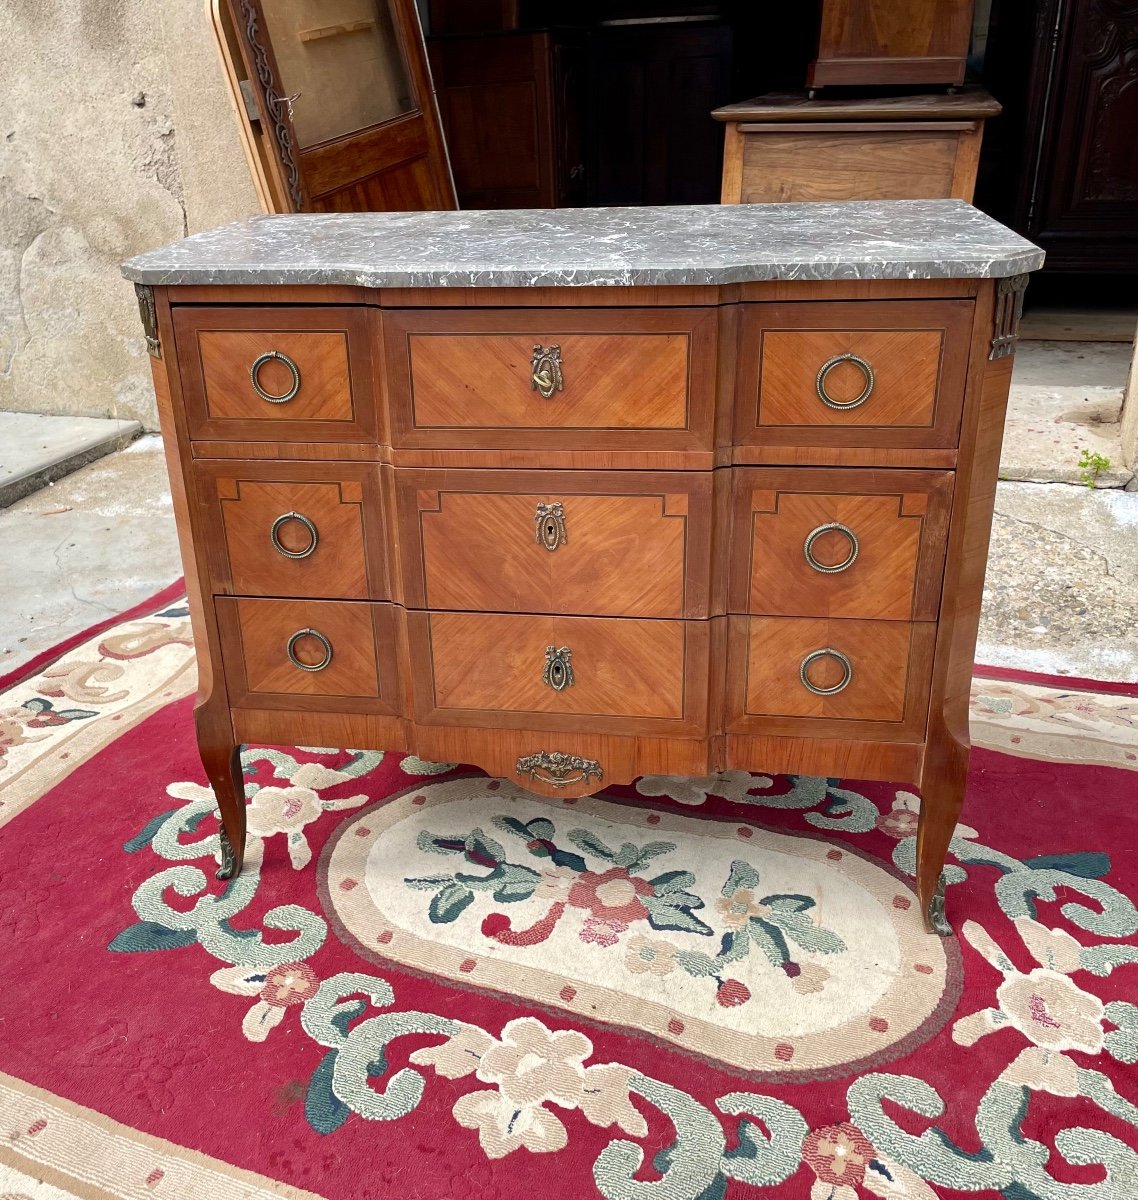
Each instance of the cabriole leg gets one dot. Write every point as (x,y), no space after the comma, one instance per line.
(221,758)
(943,782)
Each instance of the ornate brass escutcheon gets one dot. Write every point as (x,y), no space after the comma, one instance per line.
(559,770)
(550,521)
(546,377)
(558,673)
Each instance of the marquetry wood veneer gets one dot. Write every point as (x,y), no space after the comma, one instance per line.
(578,535)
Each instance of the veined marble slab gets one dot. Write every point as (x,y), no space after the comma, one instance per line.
(596,247)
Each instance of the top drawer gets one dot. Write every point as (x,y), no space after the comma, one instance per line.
(566,379)
(281,374)
(853,373)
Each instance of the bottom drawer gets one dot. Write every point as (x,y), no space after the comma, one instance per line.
(589,674)
(794,675)
(276,652)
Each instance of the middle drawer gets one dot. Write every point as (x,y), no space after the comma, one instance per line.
(588,543)
(585,674)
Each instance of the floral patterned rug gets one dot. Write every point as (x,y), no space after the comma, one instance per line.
(431,984)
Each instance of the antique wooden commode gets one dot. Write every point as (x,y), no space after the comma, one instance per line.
(581,495)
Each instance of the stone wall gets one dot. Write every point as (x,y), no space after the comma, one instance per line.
(116,135)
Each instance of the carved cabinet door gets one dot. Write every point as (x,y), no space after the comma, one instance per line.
(345,104)
(1079,197)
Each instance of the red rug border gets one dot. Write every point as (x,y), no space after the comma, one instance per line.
(45,658)
(1070,683)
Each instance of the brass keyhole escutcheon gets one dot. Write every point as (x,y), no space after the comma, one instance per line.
(558,673)
(550,522)
(545,371)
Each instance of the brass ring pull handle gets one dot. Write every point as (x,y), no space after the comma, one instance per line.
(290,650)
(824,374)
(550,521)
(813,657)
(831,527)
(558,673)
(545,371)
(559,770)
(255,371)
(301,519)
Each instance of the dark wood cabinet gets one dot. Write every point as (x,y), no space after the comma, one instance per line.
(650,91)
(511,110)
(1078,188)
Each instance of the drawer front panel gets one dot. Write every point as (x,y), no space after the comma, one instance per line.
(590,543)
(854,373)
(312,367)
(561,379)
(876,674)
(783,164)
(839,543)
(345,653)
(294,529)
(588,673)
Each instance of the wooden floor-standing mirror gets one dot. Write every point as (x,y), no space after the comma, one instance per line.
(336,105)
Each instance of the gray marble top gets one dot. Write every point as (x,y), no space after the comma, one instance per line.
(704,244)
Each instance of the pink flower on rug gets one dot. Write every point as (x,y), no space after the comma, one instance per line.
(901,820)
(290,983)
(1044,1004)
(277,989)
(837,1155)
(601,932)
(613,896)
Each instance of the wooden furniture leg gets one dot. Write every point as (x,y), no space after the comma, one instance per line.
(221,757)
(943,779)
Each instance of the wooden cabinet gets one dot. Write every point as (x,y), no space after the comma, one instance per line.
(576,534)
(882,42)
(511,106)
(785,147)
(1068,172)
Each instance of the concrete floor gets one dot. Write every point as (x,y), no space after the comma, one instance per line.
(1062,575)
(85,548)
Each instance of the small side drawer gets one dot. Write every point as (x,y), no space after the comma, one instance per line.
(559,379)
(339,655)
(287,374)
(816,542)
(817,677)
(599,543)
(293,529)
(591,674)
(853,373)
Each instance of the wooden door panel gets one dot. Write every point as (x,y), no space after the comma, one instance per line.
(893,537)
(892,373)
(226,353)
(362,130)
(628,676)
(885,696)
(361,674)
(634,377)
(341,548)
(632,543)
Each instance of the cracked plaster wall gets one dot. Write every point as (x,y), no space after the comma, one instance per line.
(116,135)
